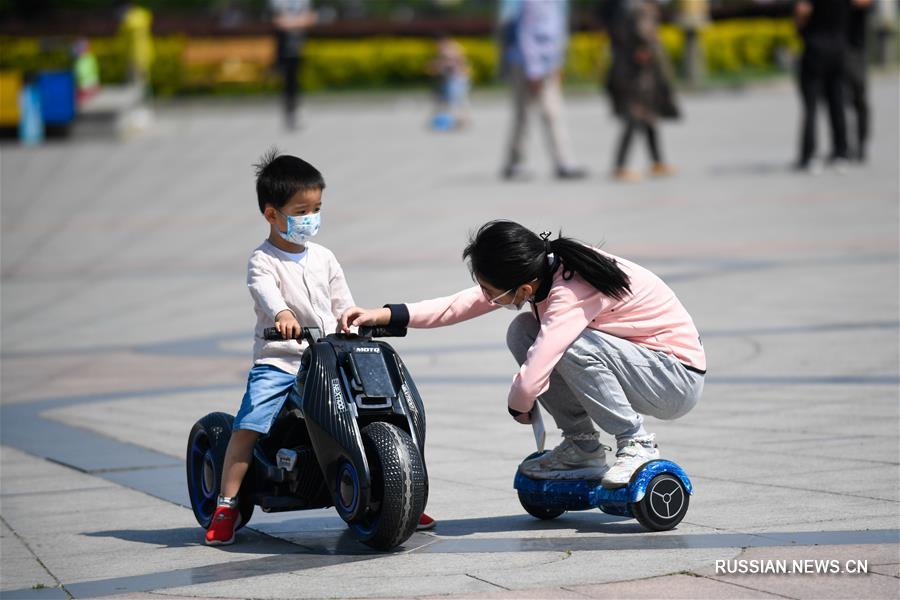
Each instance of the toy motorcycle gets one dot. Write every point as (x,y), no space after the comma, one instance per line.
(351,435)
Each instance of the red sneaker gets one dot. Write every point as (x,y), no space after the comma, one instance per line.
(221,530)
(425,523)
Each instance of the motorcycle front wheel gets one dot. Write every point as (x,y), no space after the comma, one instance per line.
(399,487)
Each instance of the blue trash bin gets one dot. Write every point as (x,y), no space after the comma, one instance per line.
(57,91)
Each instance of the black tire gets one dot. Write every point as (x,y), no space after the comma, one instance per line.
(540,512)
(664,503)
(398,490)
(205,458)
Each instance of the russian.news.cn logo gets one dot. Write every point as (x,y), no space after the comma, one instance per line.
(806,566)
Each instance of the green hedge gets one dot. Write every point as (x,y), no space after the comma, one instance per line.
(729,46)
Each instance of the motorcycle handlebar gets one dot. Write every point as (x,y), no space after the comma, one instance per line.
(312,334)
(373,331)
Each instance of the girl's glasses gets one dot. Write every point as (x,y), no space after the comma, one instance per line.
(494,300)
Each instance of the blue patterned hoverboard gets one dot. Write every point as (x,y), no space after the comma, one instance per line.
(657,495)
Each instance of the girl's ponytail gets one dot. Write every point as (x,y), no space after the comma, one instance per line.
(597,269)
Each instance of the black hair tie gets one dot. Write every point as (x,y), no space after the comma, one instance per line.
(553,264)
(545,237)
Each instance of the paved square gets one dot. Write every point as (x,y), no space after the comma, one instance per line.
(125,318)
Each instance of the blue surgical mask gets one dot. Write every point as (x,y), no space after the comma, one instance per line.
(300,228)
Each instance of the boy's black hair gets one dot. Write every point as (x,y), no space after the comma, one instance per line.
(280,176)
(507,255)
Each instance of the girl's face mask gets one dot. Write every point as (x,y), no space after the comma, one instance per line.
(512,305)
(300,228)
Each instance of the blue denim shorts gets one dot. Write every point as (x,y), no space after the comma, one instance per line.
(267,389)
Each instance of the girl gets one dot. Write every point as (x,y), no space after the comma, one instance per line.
(605,341)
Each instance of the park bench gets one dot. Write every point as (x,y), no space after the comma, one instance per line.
(115,110)
(236,60)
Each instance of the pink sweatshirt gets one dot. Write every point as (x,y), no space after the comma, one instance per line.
(650,316)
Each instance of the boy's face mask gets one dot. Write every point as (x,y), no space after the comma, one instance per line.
(300,228)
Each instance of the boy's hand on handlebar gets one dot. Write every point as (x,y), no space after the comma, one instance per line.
(287,325)
(356,316)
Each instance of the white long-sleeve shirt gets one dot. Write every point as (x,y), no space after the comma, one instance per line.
(313,288)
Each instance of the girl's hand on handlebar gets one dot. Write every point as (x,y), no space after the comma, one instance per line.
(356,316)
(287,325)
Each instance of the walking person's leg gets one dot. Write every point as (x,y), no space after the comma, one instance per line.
(861,104)
(856,87)
(515,149)
(298,69)
(556,133)
(810,88)
(660,168)
(620,171)
(289,75)
(834,93)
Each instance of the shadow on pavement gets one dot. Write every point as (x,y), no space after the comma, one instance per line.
(582,522)
(187,537)
(749,168)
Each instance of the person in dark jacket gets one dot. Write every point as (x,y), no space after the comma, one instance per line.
(823,26)
(638,81)
(291,19)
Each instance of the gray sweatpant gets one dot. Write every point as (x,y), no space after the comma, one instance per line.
(609,381)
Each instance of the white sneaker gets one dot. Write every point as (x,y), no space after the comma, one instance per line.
(567,461)
(631,455)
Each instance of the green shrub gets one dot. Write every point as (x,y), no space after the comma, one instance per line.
(730,47)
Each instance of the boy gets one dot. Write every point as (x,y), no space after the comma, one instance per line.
(292,282)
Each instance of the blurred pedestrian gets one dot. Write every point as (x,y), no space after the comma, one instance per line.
(451,72)
(533,37)
(823,26)
(135,28)
(291,18)
(86,69)
(31,120)
(638,82)
(855,71)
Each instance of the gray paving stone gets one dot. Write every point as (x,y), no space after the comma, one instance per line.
(21,570)
(672,586)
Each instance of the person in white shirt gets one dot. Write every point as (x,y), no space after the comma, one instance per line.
(293,282)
